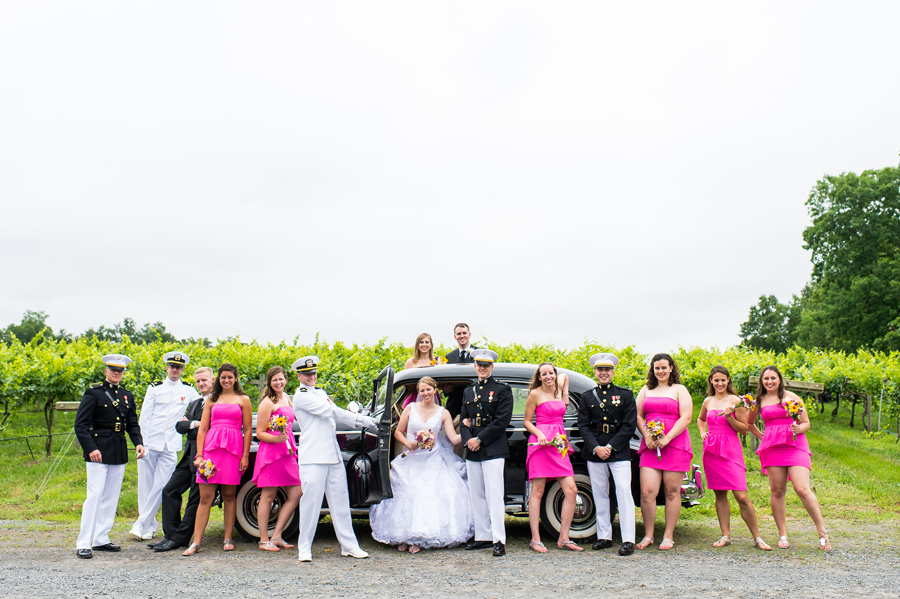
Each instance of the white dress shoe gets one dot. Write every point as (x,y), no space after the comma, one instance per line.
(305,557)
(357,553)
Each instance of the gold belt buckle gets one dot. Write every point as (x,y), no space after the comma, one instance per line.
(478,420)
(606,428)
(118,427)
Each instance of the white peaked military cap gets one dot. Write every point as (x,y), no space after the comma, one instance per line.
(309,364)
(176,358)
(116,361)
(603,360)
(484,355)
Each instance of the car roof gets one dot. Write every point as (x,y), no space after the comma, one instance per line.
(508,372)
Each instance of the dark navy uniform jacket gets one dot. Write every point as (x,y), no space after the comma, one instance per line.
(489,405)
(194,412)
(106,413)
(607,415)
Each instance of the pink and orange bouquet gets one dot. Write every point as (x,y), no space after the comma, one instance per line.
(424,439)
(280,423)
(794,408)
(206,469)
(657,429)
(560,442)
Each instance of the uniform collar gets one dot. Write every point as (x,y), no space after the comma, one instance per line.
(170,383)
(489,379)
(606,387)
(110,385)
(308,387)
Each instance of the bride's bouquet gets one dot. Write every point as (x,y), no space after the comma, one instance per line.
(424,439)
(279,423)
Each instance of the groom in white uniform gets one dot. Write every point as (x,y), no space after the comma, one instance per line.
(321,465)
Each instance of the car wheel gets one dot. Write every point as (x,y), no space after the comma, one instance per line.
(584,523)
(247,506)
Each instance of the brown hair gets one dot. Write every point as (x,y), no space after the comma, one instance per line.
(461,324)
(674,378)
(536,379)
(417,355)
(433,384)
(217,386)
(268,391)
(760,390)
(719,369)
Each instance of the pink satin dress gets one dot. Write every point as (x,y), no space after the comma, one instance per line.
(546,461)
(723,458)
(778,446)
(677,455)
(275,465)
(224,444)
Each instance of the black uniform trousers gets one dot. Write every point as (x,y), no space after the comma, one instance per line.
(177,528)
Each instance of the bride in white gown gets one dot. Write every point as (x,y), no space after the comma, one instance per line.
(431,505)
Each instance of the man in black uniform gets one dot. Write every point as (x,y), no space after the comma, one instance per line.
(486,411)
(105,414)
(607,418)
(178,529)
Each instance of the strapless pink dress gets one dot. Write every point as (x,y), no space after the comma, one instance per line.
(677,455)
(275,465)
(224,444)
(723,458)
(778,446)
(546,462)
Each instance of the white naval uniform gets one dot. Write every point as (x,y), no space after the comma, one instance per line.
(621,473)
(322,467)
(164,405)
(104,482)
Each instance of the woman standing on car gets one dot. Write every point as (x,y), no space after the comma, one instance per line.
(220,440)
(423,352)
(784,451)
(664,409)
(544,459)
(276,459)
(722,417)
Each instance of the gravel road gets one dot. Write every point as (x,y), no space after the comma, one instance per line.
(37,559)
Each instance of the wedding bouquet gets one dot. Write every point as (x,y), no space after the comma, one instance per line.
(438,361)
(560,442)
(280,423)
(206,469)
(657,429)
(424,439)
(794,408)
(746,401)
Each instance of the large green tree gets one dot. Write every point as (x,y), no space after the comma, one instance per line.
(33,323)
(771,324)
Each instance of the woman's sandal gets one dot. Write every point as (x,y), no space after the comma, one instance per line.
(268,546)
(666,545)
(570,545)
(824,544)
(783,543)
(414,549)
(537,546)
(725,540)
(761,544)
(194,548)
(402,547)
(645,542)
(279,542)
(228,545)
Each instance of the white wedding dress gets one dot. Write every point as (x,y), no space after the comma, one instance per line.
(431,505)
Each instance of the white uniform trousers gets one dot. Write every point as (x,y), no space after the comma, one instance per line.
(621,472)
(487,489)
(154,471)
(104,482)
(329,480)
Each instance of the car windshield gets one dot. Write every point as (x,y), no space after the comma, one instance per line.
(519,390)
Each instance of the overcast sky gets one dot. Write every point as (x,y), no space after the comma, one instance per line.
(630,173)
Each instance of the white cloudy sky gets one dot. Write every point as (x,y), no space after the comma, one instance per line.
(632,173)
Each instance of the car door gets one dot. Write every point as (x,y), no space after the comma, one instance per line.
(382,396)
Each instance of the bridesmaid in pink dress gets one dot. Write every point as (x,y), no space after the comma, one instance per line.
(664,461)
(224,438)
(784,453)
(549,401)
(723,458)
(276,460)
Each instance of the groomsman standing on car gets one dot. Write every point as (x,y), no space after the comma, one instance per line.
(106,412)
(178,529)
(486,412)
(164,405)
(321,465)
(607,418)
(460,355)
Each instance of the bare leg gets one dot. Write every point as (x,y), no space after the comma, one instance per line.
(293,498)
(534,507)
(723,512)
(207,494)
(568,507)
(263,510)
(748,512)
(800,481)
(672,485)
(229,493)
(650,481)
(778,487)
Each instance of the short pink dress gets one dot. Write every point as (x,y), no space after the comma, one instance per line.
(275,465)
(545,461)
(224,444)
(778,446)
(723,458)
(677,455)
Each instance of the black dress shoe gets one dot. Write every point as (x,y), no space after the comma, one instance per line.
(159,542)
(167,545)
(108,547)
(602,544)
(84,553)
(499,549)
(626,549)
(478,545)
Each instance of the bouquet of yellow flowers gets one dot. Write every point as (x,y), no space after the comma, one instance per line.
(794,408)
(424,439)
(746,401)
(206,469)
(657,429)
(438,361)
(560,442)
(280,423)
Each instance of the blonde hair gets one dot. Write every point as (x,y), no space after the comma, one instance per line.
(205,369)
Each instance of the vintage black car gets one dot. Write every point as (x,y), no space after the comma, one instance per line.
(367,453)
